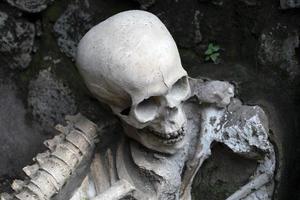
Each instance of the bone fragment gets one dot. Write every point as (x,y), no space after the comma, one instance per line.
(202,152)
(17,185)
(5,196)
(30,170)
(191,172)
(51,144)
(253,185)
(214,92)
(117,191)
(82,192)
(111,167)
(99,174)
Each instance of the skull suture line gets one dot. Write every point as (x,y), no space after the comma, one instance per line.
(131,62)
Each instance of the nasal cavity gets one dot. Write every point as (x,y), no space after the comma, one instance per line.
(171,105)
(172,110)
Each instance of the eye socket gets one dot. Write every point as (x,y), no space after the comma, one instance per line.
(180,89)
(126,111)
(146,110)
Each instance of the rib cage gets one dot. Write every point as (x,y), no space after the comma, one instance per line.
(56,172)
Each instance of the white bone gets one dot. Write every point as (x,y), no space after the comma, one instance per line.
(99,174)
(131,62)
(17,185)
(30,170)
(118,191)
(5,196)
(82,192)
(51,143)
(111,167)
(252,130)
(214,92)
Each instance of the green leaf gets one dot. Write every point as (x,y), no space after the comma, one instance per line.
(212,52)
(214,57)
(211,48)
(216,48)
(209,51)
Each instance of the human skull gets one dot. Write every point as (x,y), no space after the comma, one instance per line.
(131,62)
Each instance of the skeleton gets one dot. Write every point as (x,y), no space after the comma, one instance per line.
(131,62)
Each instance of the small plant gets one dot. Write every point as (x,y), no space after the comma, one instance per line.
(212,53)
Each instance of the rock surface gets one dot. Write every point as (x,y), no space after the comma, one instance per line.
(185,27)
(50,100)
(20,139)
(32,6)
(16,39)
(145,4)
(278,48)
(286,4)
(71,26)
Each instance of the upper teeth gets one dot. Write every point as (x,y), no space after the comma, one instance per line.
(172,141)
(168,138)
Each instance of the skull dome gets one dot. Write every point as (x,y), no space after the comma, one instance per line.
(131,62)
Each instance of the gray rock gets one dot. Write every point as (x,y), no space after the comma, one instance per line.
(71,26)
(251,2)
(16,39)
(20,139)
(185,27)
(197,32)
(286,4)
(32,6)
(278,48)
(50,100)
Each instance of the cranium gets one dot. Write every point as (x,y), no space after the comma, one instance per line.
(131,62)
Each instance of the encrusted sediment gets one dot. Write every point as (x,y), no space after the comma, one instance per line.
(56,172)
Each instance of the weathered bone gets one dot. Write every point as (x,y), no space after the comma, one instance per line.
(213,92)
(120,190)
(17,185)
(99,174)
(6,196)
(111,167)
(30,170)
(192,168)
(135,68)
(251,131)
